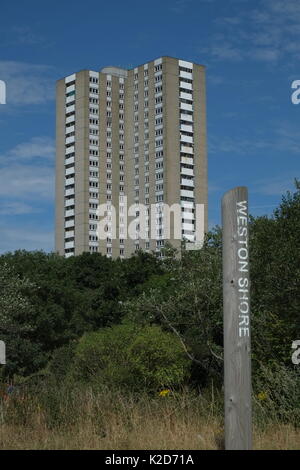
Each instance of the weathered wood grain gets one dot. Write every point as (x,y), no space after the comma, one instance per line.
(236,310)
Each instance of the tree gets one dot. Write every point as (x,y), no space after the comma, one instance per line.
(190,305)
(17,323)
(275,274)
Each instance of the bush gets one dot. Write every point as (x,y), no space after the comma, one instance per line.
(277,394)
(131,356)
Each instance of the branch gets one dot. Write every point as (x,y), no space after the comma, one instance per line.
(192,358)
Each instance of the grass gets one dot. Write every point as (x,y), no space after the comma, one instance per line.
(91,419)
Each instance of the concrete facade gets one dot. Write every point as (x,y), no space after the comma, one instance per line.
(127,138)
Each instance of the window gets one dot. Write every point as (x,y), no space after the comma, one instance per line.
(185,69)
(93,80)
(71,93)
(94,121)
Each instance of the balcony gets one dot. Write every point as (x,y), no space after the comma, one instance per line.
(187,160)
(70,223)
(187,182)
(70,150)
(187,75)
(186,96)
(70,202)
(186,138)
(69,213)
(69,161)
(186,117)
(70,192)
(186,86)
(70,171)
(188,227)
(186,193)
(187,171)
(186,149)
(186,107)
(69,245)
(186,128)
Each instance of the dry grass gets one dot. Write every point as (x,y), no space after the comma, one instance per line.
(102,421)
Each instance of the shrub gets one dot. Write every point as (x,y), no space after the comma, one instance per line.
(277,394)
(130,356)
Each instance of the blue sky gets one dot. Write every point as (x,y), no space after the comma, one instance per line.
(252,52)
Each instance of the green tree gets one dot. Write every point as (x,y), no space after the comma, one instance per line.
(275,274)
(190,305)
(17,325)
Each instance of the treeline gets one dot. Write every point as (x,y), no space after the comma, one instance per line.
(149,323)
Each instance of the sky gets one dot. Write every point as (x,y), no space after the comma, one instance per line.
(251,50)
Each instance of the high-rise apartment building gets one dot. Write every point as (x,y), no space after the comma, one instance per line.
(131,143)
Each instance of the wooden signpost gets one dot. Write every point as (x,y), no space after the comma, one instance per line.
(236,308)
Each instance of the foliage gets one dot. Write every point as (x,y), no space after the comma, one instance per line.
(63,298)
(277,394)
(18,323)
(190,305)
(275,274)
(130,356)
(52,307)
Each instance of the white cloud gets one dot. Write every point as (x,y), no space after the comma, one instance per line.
(266,33)
(26,187)
(27,83)
(27,181)
(16,208)
(27,170)
(38,147)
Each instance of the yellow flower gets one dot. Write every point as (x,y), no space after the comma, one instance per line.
(262,396)
(164,393)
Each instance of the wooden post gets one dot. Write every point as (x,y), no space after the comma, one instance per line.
(236,310)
